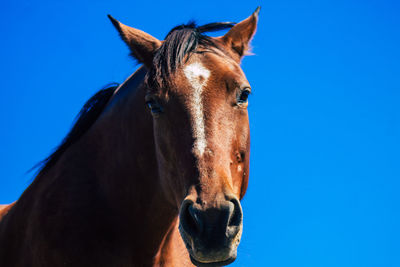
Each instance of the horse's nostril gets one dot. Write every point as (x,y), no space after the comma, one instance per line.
(235,219)
(189,218)
(237,215)
(195,217)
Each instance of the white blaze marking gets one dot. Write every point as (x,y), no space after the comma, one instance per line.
(197,75)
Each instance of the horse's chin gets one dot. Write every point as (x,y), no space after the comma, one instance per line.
(207,257)
(211,263)
(208,252)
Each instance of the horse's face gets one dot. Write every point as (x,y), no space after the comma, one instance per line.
(202,139)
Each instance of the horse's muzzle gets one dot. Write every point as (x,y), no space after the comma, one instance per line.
(211,234)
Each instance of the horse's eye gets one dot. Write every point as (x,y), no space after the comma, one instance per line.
(243,97)
(153,105)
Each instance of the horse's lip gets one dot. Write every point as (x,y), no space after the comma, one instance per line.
(209,264)
(188,241)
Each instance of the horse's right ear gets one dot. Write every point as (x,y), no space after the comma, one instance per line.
(141,44)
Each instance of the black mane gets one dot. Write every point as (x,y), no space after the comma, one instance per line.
(179,43)
(83,121)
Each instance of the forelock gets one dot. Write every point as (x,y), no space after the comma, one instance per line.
(179,44)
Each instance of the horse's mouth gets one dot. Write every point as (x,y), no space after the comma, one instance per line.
(210,260)
(208,257)
(209,264)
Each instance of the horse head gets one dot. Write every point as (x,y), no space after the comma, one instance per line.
(198,94)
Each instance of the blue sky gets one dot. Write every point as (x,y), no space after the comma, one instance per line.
(325,117)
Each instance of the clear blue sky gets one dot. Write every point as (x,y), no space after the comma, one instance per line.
(325,114)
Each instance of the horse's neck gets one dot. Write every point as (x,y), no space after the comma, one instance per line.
(127,168)
(158,218)
(106,184)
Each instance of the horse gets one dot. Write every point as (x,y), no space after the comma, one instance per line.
(153,170)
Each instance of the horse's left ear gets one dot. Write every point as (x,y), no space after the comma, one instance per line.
(238,38)
(141,44)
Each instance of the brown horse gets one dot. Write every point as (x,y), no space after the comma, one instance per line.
(152,172)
